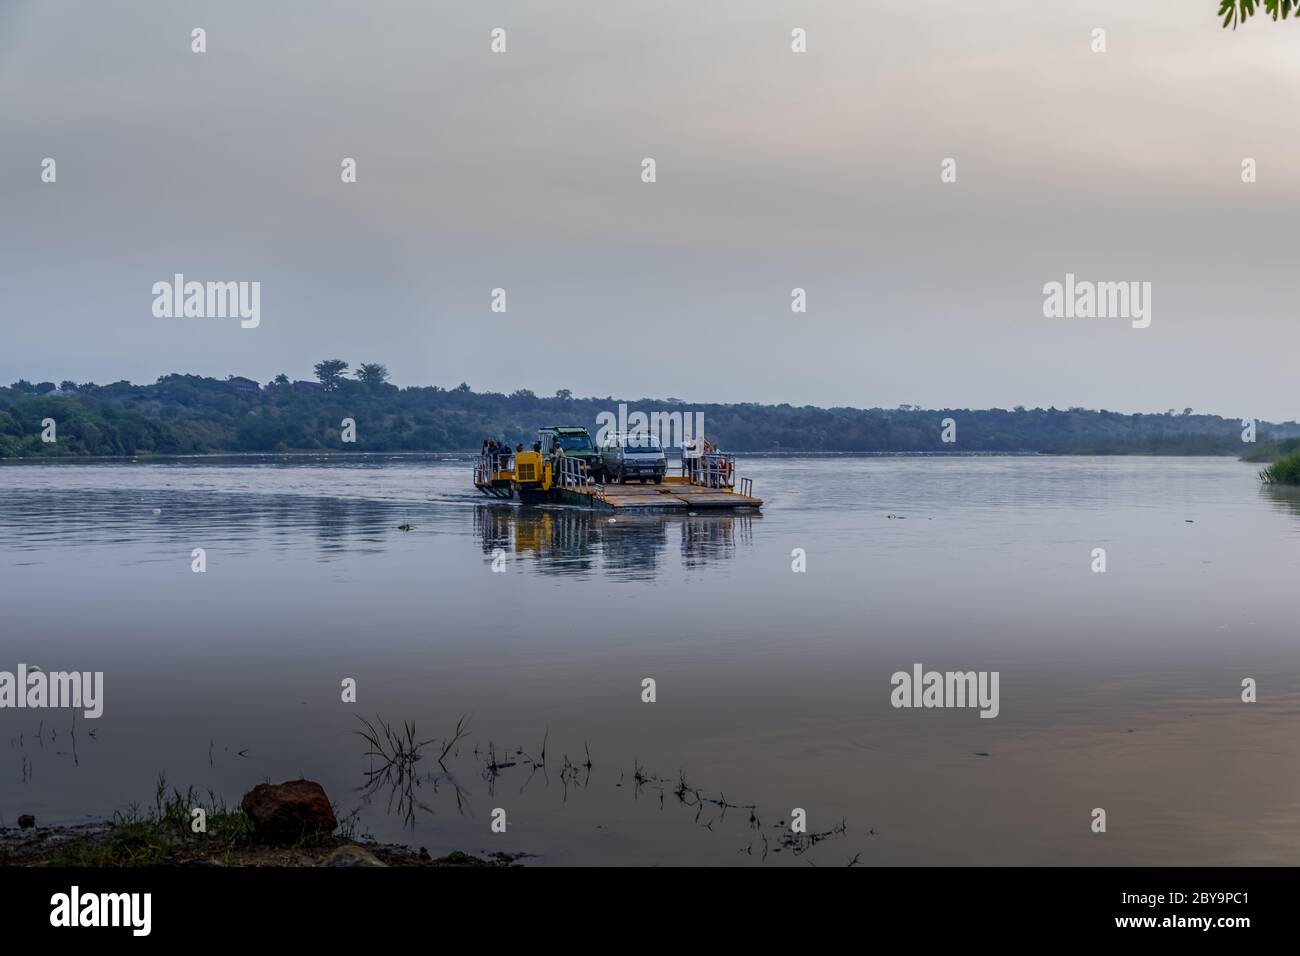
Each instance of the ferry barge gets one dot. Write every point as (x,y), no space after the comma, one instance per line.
(544,476)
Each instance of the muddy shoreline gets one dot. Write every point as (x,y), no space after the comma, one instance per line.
(62,845)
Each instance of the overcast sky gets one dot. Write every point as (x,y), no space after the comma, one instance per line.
(775,170)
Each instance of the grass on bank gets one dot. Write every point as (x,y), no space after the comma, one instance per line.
(1285,471)
(164,833)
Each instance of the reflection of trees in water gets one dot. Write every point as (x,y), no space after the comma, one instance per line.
(572,540)
(1283,498)
(189,516)
(336,520)
(556,540)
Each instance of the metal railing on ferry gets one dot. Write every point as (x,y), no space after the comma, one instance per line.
(490,464)
(573,473)
(714,470)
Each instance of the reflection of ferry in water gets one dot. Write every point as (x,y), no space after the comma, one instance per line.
(574,541)
(557,471)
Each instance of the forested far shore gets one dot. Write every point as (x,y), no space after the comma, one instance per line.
(194,415)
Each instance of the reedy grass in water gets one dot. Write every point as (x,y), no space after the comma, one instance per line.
(1285,471)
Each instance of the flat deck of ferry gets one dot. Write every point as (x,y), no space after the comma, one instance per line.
(675,493)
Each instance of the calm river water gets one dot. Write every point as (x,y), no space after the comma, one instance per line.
(1119,690)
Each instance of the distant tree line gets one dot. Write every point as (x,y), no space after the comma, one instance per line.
(1272,450)
(191,414)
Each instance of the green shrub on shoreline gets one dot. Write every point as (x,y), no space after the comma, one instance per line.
(1285,471)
